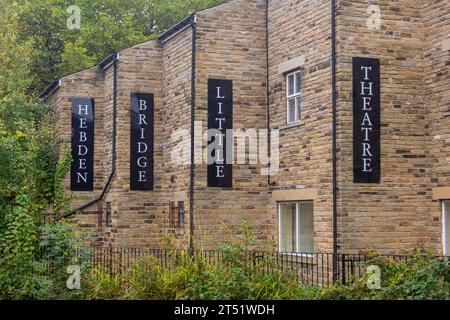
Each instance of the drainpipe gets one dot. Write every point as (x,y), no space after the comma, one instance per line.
(111,59)
(193,22)
(113,165)
(268,93)
(334,117)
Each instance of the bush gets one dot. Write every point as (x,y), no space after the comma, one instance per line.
(36,269)
(421,277)
(99,284)
(144,280)
(187,277)
(236,276)
(193,278)
(41,274)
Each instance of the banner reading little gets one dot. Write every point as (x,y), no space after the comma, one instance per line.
(141,147)
(220,118)
(82,169)
(366,120)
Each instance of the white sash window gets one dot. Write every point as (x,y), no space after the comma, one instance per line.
(293,96)
(296,227)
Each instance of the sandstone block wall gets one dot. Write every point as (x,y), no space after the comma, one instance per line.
(176,116)
(394,216)
(436,46)
(231,45)
(136,215)
(296,29)
(85,84)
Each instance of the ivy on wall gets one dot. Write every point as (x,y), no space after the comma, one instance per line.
(61,200)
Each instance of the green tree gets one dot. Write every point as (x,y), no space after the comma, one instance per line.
(36,46)
(27,165)
(15,57)
(40,47)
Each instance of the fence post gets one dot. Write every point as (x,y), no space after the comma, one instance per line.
(120,262)
(110,260)
(100,214)
(343,269)
(335,267)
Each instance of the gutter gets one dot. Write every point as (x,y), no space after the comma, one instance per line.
(334,125)
(192,23)
(52,87)
(56,84)
(178,28)
(106,63)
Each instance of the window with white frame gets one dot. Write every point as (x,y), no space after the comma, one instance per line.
(446,227)
(293,96)
(296,227)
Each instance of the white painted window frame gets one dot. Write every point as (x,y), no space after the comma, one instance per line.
(294,96)
(297,230)
(444,230)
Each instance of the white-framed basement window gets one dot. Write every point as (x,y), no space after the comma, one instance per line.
(446,227)
(296,227)
(293,96)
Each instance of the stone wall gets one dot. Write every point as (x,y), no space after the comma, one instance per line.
(392,216)
(85,84)
(136,214)
(436,45)
(399,214)
(231,45)
(176,116)
(299,37)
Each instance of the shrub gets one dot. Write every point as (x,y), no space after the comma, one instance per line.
(420,277)
(41,274)
(99,284)
(193,278)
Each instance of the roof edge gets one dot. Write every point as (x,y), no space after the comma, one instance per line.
(55,84)
(180,26)
(52,87)
(105,63)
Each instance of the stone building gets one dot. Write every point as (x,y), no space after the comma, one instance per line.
(287,67)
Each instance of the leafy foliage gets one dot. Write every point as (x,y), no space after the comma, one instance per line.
(27,164)
(41,273)
(27,189)
(40,47)
(37,46)
(238,276)
(192,278)
(234,276)
(61,201)
(15,59)
(420,277)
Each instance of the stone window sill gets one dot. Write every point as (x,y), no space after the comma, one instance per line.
(292,125)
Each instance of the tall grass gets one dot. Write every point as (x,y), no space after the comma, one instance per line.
(193,278)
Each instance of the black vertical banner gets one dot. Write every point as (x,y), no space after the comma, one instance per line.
(220,118)
(142,143)
(82,169)
(366,120)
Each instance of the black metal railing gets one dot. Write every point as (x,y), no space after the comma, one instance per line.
(311,269)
